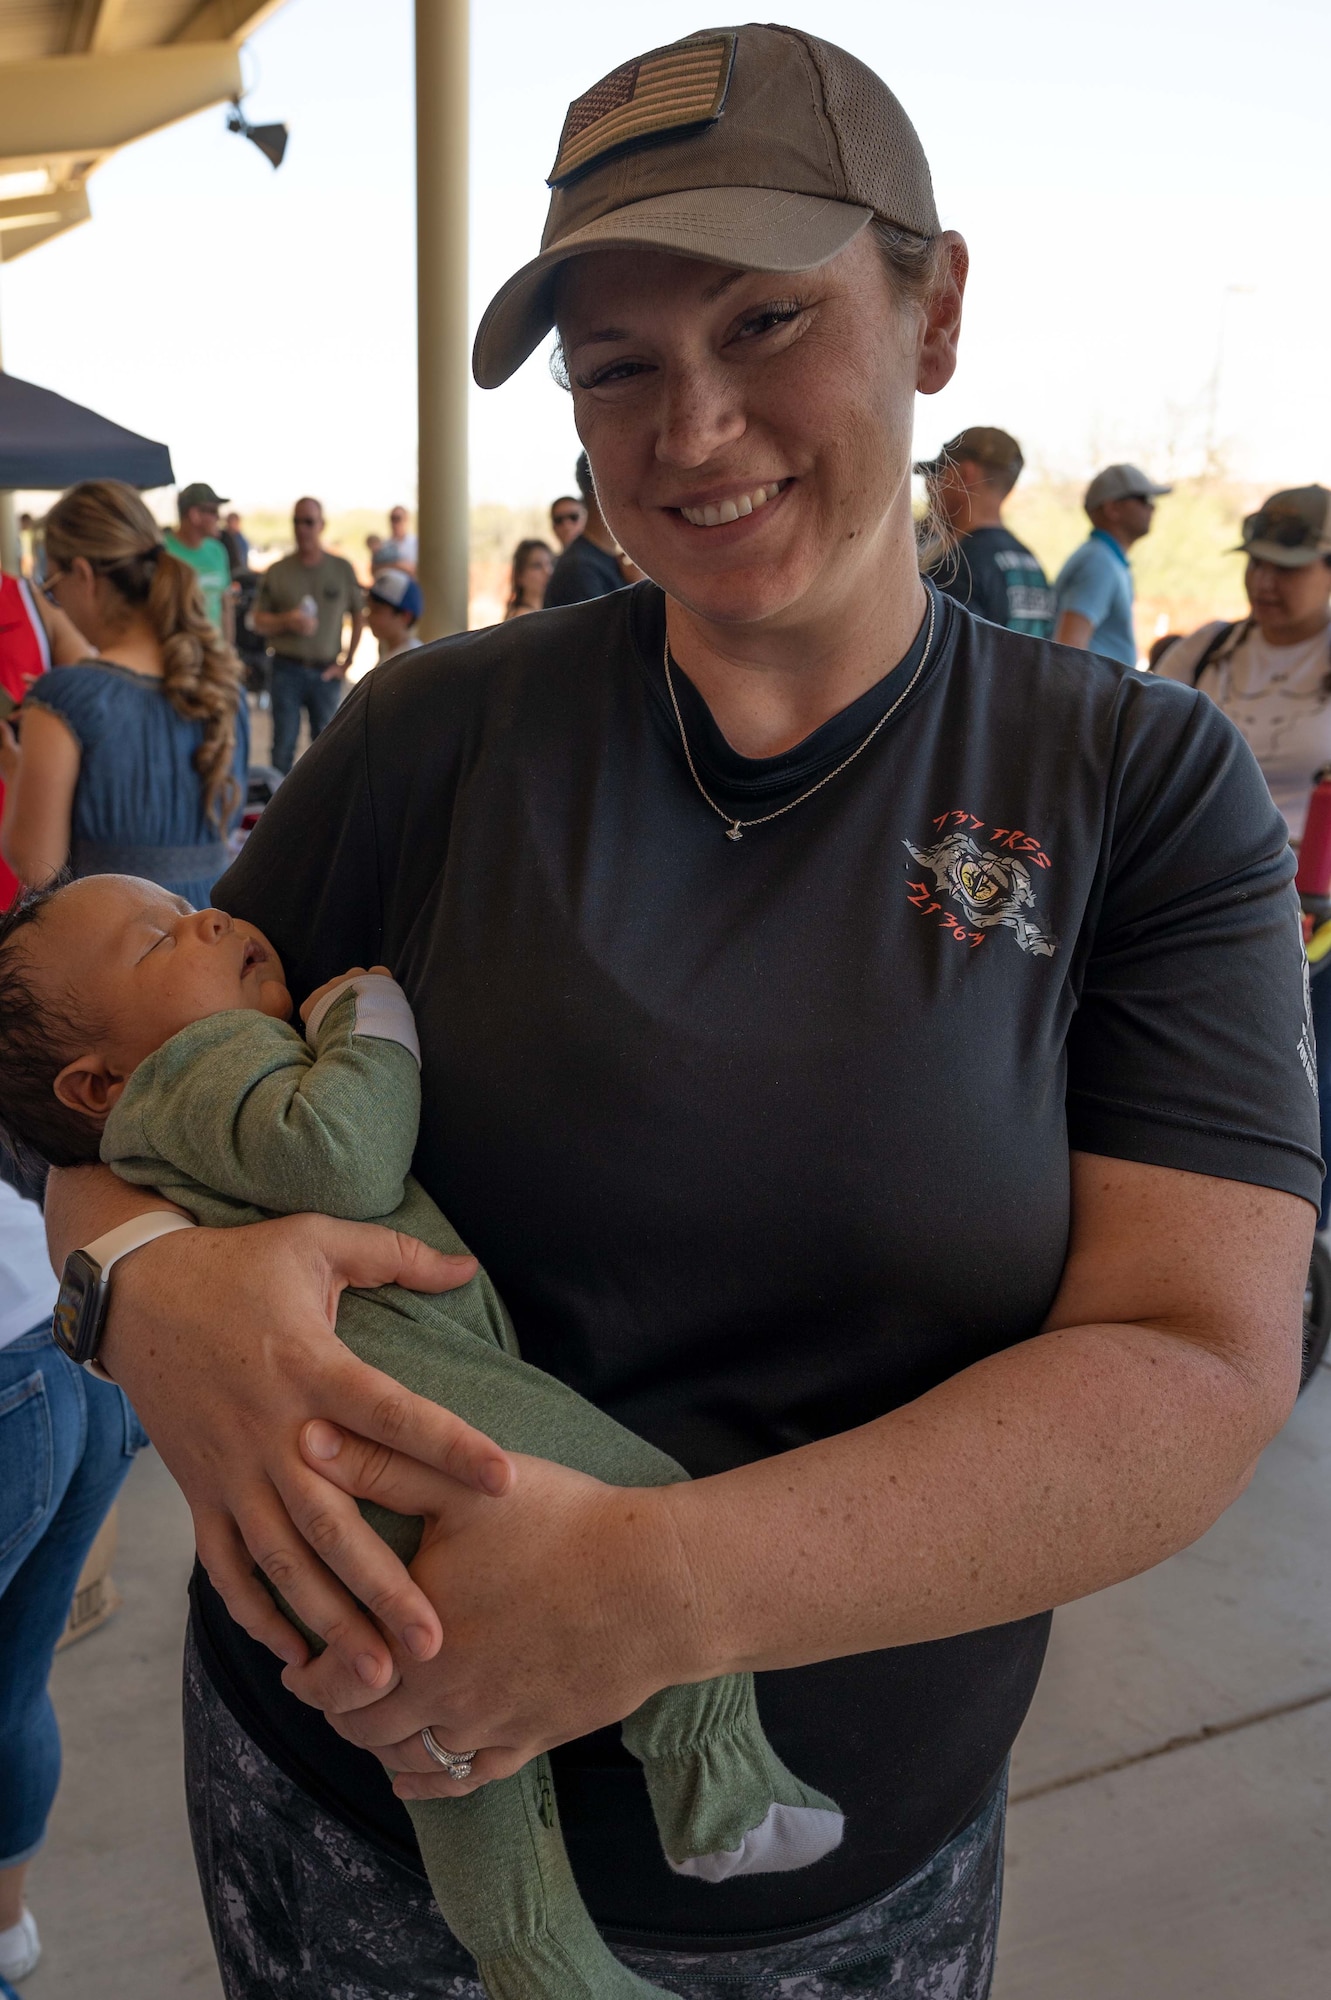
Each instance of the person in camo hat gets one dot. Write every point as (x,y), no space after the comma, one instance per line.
(786,1055)
(985,567)
(1270,673)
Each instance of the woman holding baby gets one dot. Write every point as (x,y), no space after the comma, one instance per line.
(862,1046)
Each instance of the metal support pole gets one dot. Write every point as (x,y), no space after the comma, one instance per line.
(11,559)
(443,351)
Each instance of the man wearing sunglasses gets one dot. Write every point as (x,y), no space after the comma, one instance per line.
(590,565)
(302,608)
(1093,593)
(568,518)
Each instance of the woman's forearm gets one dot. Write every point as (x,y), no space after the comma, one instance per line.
(1037,1476)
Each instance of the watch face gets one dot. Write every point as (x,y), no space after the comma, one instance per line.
(77,1324)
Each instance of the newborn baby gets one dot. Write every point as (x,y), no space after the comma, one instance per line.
(155,1037)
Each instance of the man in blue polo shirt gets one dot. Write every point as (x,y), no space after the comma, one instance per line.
(1093,591)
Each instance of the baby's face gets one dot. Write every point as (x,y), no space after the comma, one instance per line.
(144,964)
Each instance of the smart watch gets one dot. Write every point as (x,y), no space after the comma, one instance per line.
(85,1289)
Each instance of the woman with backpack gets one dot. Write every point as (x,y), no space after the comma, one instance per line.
(1271,674)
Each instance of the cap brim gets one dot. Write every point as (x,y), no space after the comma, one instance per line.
(1282,557)
(755,229)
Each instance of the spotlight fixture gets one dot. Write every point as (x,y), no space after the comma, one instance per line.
(270,139)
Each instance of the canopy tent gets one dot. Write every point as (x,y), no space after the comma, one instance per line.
(47,443)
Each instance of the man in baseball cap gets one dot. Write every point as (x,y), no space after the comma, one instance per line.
(987,569)
(393,605)
(196,542)
(1093,591)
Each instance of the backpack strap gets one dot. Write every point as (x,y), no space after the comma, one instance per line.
(1211,648)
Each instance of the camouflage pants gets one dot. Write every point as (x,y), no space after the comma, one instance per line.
(301,1908)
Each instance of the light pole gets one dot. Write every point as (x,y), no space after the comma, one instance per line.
(442,348)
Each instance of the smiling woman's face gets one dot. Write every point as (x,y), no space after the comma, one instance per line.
(750,432)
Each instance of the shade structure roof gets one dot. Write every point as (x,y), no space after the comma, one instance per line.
(47,443)
(79,78)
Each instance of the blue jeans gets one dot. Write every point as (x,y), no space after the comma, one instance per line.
(66,1442)
(1321,1012)
(297,687)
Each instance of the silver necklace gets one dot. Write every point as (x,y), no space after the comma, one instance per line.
(735,827)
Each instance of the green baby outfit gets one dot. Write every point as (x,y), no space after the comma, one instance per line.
(238,1118)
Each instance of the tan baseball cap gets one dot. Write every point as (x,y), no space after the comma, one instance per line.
(985,444)
(759,147)
(1291,529)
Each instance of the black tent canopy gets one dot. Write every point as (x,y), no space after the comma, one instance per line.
(47,443)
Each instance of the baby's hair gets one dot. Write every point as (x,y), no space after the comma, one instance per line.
(39,1034)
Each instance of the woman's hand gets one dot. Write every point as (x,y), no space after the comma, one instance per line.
(223,1340)
(566,1604)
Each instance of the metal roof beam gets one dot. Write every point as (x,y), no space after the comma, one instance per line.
(31,219)
(93,103)
(226,20)
(92,24)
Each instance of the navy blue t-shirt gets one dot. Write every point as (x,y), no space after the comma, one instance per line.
(583,571)
(998,578)
(761,1139)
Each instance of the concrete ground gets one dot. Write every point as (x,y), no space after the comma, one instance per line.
(1170,1837)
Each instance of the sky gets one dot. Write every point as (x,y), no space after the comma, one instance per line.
(1143,187)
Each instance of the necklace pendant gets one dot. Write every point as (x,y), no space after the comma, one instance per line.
(733,832)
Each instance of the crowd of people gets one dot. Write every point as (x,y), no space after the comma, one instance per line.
(723,1051)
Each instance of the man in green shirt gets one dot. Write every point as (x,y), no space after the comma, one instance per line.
(303,604)
(196,542)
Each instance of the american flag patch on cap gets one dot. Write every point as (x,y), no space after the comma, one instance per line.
(672,90)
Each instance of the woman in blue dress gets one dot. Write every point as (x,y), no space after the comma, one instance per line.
(133,763)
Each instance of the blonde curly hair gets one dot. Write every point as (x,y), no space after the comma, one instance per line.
(106,523)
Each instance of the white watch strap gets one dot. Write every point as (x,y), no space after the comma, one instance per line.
(117,1243)
(132,1235)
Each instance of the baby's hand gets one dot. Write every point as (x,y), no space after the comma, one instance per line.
(356,972)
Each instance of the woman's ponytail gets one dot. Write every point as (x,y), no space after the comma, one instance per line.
(200,677)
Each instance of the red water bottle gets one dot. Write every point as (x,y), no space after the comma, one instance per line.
(1313,880)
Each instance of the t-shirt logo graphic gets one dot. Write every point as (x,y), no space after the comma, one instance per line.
(990,889)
